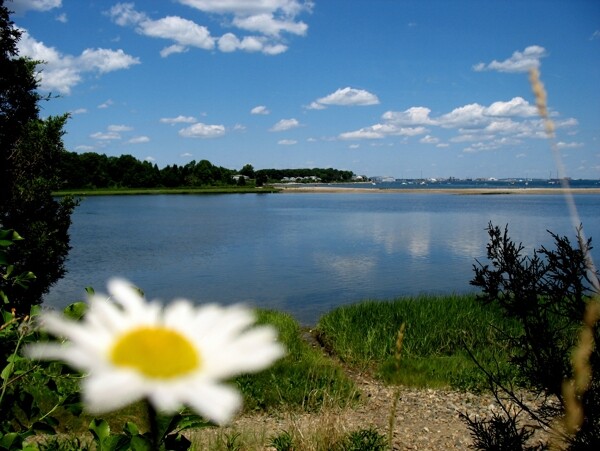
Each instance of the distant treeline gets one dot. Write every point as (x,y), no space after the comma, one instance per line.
(326,175)
(92,170)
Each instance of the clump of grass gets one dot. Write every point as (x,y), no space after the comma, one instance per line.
(363,439)
(304,379)
(439,330)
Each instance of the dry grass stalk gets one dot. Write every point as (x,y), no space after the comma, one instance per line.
(397,356)
(573,389)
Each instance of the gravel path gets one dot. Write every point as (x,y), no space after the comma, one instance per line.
(426,419)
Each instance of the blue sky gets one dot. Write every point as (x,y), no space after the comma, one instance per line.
(380,87)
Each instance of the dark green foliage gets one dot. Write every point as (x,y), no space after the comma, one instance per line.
(500,433)
(91,170)
(30,152)
(364,440)
(547,293)
(282,441)
(326,175)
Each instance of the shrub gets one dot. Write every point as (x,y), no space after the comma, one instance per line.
(547,293)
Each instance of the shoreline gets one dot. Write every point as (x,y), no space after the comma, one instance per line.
(456,191)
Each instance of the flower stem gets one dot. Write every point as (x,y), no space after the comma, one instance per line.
(153,425)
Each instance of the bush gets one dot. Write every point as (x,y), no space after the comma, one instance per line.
(548,294)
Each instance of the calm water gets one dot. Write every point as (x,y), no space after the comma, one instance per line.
(301,253)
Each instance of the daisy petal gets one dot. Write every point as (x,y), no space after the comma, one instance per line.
(216,402)
(111,391)
(126,295)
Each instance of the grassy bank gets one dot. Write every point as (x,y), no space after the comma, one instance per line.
(142,191)
(439,330)
(314,379)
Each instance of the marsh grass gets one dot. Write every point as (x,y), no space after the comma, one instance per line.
(440,333)
(303,380)
(140,191)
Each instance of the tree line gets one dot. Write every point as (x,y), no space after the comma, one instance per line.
(92,170)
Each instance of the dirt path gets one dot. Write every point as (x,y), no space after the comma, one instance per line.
(425,419)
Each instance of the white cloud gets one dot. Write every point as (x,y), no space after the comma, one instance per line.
(139,140)
(268,19)
(62,18)
(287,142)
(518,62)
(175,48)
(465,116)
(124,14)
(249,7)
(417,115)
(20,6)
(201,130)
(184,32)
(346,97)
(62,72)
(186,155)
(502,123)
(379,131)
(119,128)
(260,109)
(105,136)
(178,120)
(571,145)
(106,104)
(428,139)
(230,43)
(595,35)
(269,25)
(316,106)
(83,148)
(150,159)
(517,106)
(79,111)
(285,124)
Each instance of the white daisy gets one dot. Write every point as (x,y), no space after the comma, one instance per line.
(132,349)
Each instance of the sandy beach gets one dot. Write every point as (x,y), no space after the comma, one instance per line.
(459,191)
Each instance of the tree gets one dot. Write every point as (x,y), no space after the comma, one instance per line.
(248,170)
(30,152)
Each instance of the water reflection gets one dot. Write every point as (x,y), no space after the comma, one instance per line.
(301,253)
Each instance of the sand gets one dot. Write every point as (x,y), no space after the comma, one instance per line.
(459,191)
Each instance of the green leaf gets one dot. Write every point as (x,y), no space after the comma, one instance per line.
(99,429)
(90,291)
(76,310)
(116,443)
(10,440)
(184,422)
(7,371)
(131,428)
(177,442)
(35,310)
(140,443)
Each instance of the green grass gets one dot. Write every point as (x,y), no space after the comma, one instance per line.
(438,332)
(140,191)
(305,379)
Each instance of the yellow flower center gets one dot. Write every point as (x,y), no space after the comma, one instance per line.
(156,352)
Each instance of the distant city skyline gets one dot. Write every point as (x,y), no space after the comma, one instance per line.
(379,87)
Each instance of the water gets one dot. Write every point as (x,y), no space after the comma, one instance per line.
(300,253)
